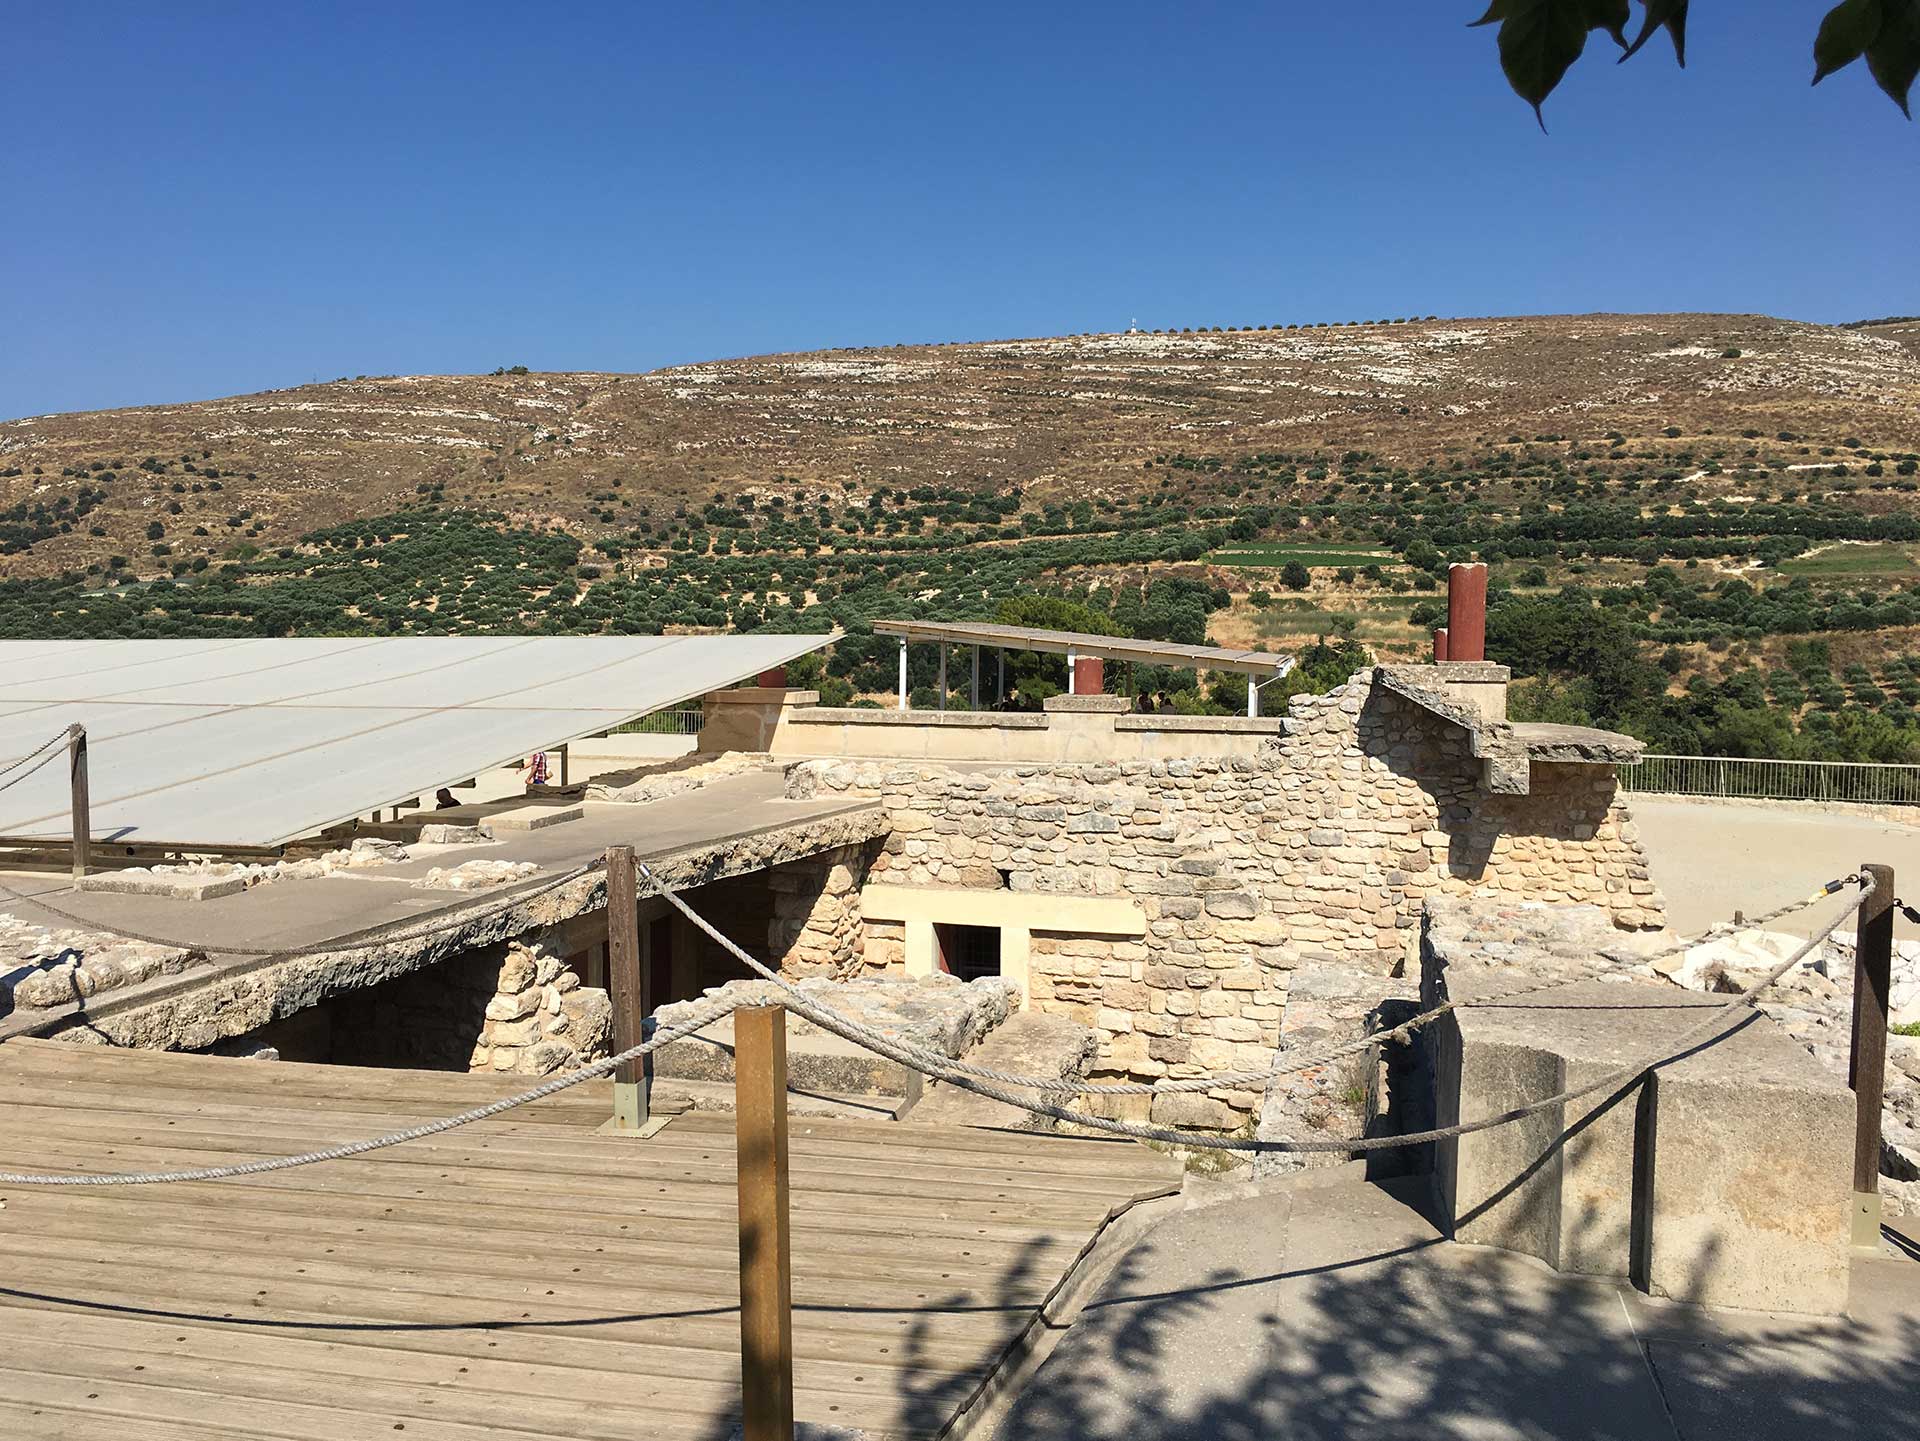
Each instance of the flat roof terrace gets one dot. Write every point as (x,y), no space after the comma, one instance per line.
(521,1279)
(728,826)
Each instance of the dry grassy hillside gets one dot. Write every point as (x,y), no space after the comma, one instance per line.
(1078,416)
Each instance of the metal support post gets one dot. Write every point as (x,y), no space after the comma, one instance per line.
(903,672)
(1253,695)
(766,1272)
(1071,658)
(974,690)
(943,675)
(1002,694)
(81,806)
(1867,1068)
(627,983)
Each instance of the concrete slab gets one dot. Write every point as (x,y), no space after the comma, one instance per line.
(1335,1312)
(530,818)
(718,820)
(179,886)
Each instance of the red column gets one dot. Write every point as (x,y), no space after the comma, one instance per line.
(1440,644)
(775,679)
(1089,675)
(1467,612)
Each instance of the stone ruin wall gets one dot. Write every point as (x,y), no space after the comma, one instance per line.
(512,1008)
(1311,861)
(816,928)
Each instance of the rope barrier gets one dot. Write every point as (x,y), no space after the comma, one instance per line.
(46,746)
(706,1016)
(955,1073)
(1194,1140)
(919,1057)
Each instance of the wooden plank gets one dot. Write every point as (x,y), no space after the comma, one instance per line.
(146,1114)
(332,1302)
(626,986)
(541,1351)
(453,1176)
(243,1216)
(766,1243)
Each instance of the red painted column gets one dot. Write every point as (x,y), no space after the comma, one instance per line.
(1440,644)
(1467,612)
(775,679)
(1089,675)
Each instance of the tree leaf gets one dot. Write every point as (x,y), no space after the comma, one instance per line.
(1611,16)
(1496,11)
(1894,55)
(1670,15)
(1539,41)
(1845,34)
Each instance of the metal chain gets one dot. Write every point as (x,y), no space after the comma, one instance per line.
(704,1016)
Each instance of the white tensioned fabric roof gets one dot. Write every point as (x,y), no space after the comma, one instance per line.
(255,742)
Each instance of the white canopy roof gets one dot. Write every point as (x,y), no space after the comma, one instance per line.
(254,742)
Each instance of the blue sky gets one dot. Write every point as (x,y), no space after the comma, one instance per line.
(205,199)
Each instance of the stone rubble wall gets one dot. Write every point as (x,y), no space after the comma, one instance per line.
(1319,852)
(511,1008)
(540,1019)
(816,928)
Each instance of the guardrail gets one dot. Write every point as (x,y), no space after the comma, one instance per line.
(1850,782)
(665,723)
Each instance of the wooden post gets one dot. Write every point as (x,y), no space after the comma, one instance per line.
(766,1273)
(81,805)
(1867,1068)
(627,985)
(563,766)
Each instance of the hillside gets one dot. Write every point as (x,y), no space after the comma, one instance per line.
(1063,419)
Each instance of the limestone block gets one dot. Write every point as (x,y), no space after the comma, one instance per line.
(1722,1180)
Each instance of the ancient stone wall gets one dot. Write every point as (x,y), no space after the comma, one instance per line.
(511,1008)
(816,928)
(1318,852)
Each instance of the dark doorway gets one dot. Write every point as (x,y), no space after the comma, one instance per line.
(660,962)
(968,952)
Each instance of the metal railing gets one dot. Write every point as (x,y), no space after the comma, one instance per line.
(1853,782)
(666,723)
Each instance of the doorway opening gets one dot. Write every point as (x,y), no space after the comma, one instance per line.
(968,952)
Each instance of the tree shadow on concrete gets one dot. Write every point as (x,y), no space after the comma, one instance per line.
(1430,1340)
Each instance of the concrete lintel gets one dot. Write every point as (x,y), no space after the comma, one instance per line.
(763,695)
(1086,704)
(1204,724)
(950,720)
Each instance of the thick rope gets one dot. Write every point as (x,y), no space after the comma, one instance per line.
(1618,1078)
(830,1020)
(46,753)
(705,1016)
(921,1058)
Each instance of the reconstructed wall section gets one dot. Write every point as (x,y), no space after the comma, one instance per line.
(1320,850)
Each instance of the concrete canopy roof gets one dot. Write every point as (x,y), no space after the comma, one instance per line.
(256,742)
(1106,647)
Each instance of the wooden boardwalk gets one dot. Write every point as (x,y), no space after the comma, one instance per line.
(521,1278)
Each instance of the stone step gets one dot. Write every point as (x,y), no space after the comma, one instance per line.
(1031,1043)
(816,1061)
